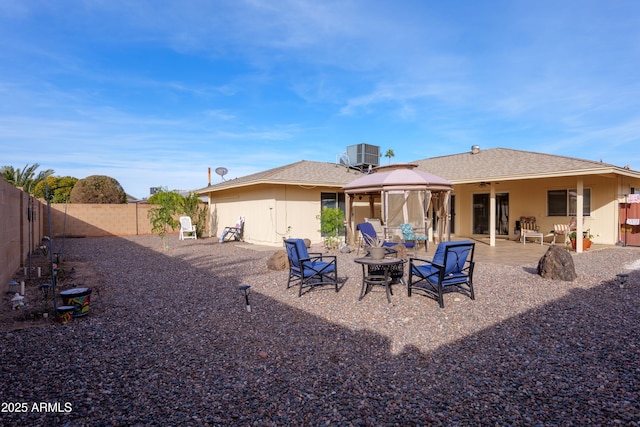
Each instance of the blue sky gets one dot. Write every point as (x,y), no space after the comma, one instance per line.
(155,92)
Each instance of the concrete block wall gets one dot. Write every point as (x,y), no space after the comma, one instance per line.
(18,235)
(96,220)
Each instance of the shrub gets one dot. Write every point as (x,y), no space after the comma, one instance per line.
(98,189)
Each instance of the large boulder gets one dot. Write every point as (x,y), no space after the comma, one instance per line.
(278,261)
(401,251)
(557,264)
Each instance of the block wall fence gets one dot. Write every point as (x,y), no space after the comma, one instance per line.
(21,229)
(96,220)
(18,235)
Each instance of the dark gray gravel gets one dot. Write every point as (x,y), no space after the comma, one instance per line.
(168,342)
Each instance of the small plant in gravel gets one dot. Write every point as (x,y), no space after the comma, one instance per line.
(162,216)
(169,205)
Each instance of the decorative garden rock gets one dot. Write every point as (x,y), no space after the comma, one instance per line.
(557,264)
(401,251)
(278,261)
(345,249)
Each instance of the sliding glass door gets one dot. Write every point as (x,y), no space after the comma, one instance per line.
(481,209)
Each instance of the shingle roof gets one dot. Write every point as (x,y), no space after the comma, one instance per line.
(492,164)
(506,164)
(304,172)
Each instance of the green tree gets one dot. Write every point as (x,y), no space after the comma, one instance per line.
(197,210)
(25,178)
(59,187)
(162,216)
(389,154)
(98,189)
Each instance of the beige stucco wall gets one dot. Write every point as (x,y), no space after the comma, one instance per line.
(529,198)
(269,211)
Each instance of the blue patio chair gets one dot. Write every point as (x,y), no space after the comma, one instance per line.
(369,236)
(409,236)
(451,267)
(310,269)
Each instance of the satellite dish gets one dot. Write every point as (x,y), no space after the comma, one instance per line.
(344,159)
(222,172)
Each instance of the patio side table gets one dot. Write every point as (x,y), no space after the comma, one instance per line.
(369,280)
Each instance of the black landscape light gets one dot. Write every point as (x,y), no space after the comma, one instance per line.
(245,290)
(622,279)
(45,288)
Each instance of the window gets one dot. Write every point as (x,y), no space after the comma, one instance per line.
(332,200)
(564,202)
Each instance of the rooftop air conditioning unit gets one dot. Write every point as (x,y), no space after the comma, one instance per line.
(363,155)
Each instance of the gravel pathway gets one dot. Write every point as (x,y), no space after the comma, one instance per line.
(168,341)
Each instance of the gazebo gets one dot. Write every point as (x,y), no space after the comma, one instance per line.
(407,196)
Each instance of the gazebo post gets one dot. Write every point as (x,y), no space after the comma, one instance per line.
(372,210)
(348,219)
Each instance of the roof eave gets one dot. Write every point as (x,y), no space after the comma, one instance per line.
(559,174)
(222,187)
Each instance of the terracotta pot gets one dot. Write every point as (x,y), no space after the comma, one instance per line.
(586,243)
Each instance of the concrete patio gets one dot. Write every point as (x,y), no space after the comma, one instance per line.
(509,252)
(506,252)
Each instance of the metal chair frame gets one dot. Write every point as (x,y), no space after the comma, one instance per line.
(310,269)
(451,268)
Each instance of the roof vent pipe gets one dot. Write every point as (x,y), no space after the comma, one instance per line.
(475,149)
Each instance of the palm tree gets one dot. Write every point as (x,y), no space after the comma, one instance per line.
(389,154)
(25,178)
(9,174)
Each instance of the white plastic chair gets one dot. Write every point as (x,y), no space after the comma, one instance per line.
(187,230)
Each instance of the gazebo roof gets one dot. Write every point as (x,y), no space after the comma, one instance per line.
(399,177)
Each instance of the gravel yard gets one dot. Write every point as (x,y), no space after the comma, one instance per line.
(168,341)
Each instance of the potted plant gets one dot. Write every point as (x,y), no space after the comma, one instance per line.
(586,240)
(376,248)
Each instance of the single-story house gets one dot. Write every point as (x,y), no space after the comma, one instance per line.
(492,190)
(279,203)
